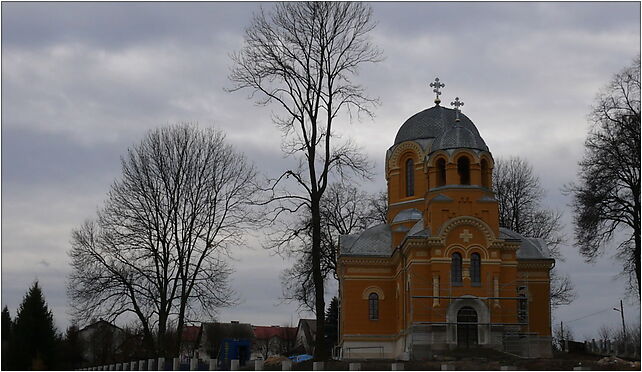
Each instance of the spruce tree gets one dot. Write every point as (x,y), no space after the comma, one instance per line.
(6,339)
(332,323)
(34,334)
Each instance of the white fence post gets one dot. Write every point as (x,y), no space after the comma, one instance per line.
(286,365)
(141,365)
(234,365)
(193,364)
(213,363)
(258,365)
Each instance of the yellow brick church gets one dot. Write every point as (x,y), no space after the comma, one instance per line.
(441,273)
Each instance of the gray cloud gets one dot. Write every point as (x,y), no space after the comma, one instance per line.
(84,81)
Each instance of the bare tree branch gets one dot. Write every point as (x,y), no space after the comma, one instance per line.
(302,56)
(157,248)
(606,198)
(519,194)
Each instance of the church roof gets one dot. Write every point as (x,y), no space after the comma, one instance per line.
(375,241)
(418,230)
(435,122)
(457,137)
(412,214)
(529,248)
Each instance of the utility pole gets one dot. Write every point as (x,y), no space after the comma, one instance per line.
(621,311)
(623,326)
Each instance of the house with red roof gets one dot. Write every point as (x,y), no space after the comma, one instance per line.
(273,341)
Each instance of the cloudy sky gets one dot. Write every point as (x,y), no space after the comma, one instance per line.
(83,81)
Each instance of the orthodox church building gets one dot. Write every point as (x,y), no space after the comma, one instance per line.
(441,273)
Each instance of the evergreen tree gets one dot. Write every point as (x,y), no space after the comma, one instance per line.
(34,340)
(6,339)
(71,349)
(332,323)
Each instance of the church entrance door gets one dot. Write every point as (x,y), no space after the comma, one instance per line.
(466,327)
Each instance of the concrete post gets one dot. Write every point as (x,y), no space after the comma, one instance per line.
(134,365)
(258,365)
(355,366)
(141,365)
(286,365)
(160,366)
(447,367)
(126,366)
(193,364)
(176,364)
(119,366)
(397,366)
(317,366)
(213,363)
(234,365)
(150,365)
(111,367)
(508,368)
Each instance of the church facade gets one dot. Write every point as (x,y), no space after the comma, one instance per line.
(441,273)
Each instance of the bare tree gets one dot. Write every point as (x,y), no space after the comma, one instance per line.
(606,198)
(157,248)
(519,194)
(303,56)
(344,210)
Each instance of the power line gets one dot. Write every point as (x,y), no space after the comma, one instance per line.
(586,316)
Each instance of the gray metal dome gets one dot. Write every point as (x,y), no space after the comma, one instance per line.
(431,123)
(457,137)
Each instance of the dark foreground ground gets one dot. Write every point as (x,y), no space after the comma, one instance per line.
(482,360)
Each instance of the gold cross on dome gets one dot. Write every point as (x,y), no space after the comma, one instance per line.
(436,84)
(466,236)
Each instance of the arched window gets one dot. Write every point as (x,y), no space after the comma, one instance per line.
(455,269)
(475,268)
(373,306)
(441,172)
(463,168)
(485,176)
(410,177)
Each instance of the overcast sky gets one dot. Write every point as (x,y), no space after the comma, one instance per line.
(82,82)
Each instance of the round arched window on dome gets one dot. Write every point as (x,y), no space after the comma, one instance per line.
(485,174)
(441,172)
(463,169)
(410,177)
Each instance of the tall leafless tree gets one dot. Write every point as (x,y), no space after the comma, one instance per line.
(303,56)
(519,195)
(344,210)
(606,198)
(157,248)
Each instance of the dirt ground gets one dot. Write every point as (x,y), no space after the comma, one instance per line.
(477,362)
